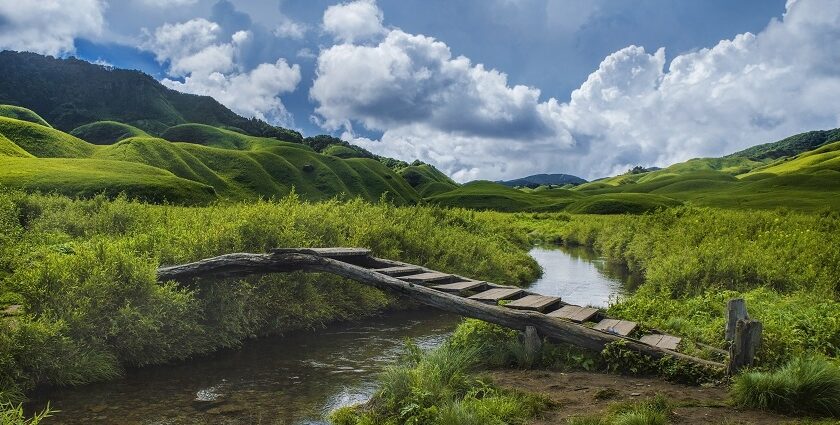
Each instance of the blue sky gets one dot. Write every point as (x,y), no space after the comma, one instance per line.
(482,89)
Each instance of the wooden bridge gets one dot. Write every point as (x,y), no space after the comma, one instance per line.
(508,306)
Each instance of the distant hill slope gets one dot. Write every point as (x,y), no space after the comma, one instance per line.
(544,179)
(106,132)
(201,164)
(427,180)
(790,146)
(23,114)
(69,93)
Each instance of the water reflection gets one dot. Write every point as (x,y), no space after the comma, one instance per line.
(579,276)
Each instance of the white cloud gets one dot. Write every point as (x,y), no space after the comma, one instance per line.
(357,20)
(48,26)
(632,110)
(210,67)
(290,29)
(252,94)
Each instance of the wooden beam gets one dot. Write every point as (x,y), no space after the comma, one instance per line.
(242,264)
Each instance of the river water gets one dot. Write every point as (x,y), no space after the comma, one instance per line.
(300,377)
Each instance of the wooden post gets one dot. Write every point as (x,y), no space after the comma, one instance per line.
(736,309)
(746,343)
(533,344)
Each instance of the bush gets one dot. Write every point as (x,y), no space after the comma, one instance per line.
(806,385)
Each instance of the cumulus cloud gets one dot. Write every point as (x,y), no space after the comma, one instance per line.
(193,50)
(632,110)
(48,26)
(357,20)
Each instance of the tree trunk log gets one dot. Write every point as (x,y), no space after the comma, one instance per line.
(241,265)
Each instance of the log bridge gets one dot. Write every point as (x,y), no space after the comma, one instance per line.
(507,306)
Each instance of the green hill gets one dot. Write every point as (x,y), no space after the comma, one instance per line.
(9,148)
(70,93)
(427,180)
(210,162)
(22,114)
(106,132)
(790,146)
(210,136)
(824,159)
(486,195)
(88,177)
(621,203)
(44,142)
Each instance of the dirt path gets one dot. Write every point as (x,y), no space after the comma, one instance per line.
(575,394)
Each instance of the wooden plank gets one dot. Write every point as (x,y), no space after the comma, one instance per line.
(399,270)
(459,287)
(326,252)
(426,277)
(669,342)
(615,326)
(652,339)
(496,294)
(533,302)
(575,313)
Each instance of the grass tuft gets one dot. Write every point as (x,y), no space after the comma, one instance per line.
(806,385)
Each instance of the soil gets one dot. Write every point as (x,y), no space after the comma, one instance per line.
(585,394)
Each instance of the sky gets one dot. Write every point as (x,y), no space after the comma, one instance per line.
(482,89)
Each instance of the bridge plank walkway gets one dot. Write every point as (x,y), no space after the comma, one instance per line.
(505,305)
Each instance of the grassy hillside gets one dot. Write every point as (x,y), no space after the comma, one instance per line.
(825,159)
(106,132)
(44,142)
(486,195)
(427,180)
(9,148)
(23,114)
(221,138)
(209,163)
(89,177)
(790,146)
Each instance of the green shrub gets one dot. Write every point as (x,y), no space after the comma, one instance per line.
(806,385)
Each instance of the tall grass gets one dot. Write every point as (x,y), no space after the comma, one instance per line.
(803,386)
(437,387)
(786,265)
(84,271)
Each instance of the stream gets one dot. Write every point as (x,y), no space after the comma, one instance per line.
(302,376)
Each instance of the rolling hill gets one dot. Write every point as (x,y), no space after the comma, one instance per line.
(199,164)
(106,132)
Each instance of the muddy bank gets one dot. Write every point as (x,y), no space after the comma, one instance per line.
(584,393)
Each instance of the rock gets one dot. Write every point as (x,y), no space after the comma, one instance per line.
(635,394)
(98,408)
